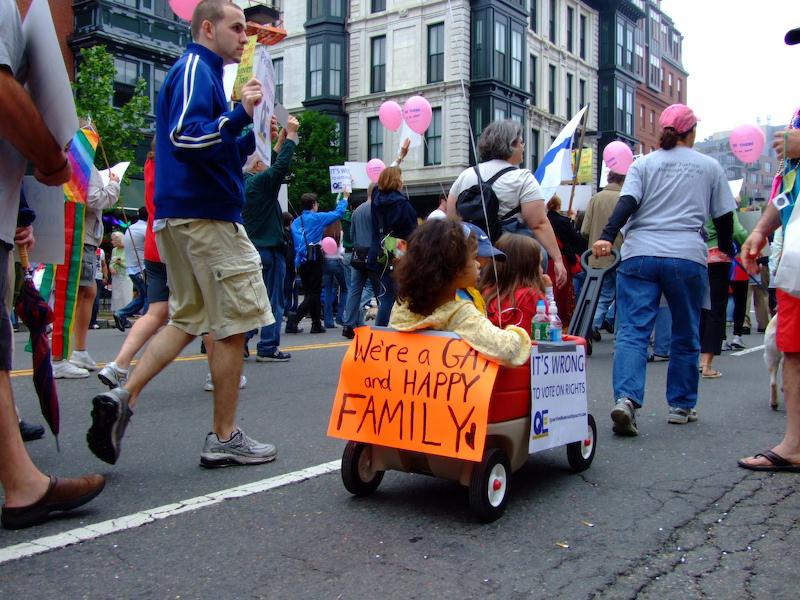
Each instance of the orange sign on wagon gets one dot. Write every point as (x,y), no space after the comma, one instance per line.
(426,391)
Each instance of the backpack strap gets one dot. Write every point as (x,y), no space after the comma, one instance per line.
(498,175)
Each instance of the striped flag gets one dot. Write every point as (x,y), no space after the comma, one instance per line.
(556,165)
(61,281)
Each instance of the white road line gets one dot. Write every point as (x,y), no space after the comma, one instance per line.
(748,351)
(81,534)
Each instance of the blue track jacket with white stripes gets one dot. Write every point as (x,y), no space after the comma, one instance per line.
(199,149)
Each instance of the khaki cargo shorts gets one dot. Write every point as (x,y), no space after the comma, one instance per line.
(214,274)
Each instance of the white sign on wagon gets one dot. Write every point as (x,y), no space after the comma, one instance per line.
(558,395)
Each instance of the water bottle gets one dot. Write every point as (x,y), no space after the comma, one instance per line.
(556,328)
(541,324)
(548,292)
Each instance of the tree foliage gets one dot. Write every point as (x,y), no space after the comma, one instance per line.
(318,150)
(120,129)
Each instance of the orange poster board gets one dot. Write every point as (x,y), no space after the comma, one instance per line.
(427,392)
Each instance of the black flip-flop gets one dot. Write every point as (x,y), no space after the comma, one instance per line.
(778,463)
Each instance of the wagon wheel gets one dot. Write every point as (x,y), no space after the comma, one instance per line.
(488,486)
(580,454)
(358,476)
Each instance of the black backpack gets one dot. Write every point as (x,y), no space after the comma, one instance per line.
(469,205)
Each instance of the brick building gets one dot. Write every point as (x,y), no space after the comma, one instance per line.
(664,81)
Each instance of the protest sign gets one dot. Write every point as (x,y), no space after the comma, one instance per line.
(48,204)
(281,114)
(47,81)
(558,395)
(262,115)
(119,170)
(358,171)
(340,179)
(425,392)
(245,71)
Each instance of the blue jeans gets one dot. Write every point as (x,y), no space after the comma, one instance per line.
(641,281)
(385,294)
(139,303)
(577,283)
(332,275)
(662,333)
(353,316)
(605,305)
(273,270)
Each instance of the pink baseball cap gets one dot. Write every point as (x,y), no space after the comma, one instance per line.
(678,116)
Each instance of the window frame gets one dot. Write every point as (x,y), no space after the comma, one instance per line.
(377,70)
(436,62)
(433,139)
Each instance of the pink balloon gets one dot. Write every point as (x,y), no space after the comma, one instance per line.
(417,113)
(183,8)
(618,157)
(391,115)
(747,143)
(329,246)
(374,169)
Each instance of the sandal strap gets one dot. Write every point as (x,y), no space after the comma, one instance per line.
(775,459)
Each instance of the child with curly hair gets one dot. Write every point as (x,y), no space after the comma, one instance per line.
(441,258)
(512,296)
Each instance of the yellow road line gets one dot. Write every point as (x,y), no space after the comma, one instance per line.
(195,357)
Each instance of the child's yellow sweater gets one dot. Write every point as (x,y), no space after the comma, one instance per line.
(510,346)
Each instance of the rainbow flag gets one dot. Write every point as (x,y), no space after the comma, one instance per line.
(61,281)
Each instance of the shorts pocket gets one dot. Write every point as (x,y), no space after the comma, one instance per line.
(240,286)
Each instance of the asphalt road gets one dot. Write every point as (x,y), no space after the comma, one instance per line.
(664,515)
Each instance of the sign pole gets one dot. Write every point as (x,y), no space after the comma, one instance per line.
(578,159)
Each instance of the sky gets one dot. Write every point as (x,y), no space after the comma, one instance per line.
(739,66)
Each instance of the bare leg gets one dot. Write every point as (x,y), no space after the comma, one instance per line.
(143,329)
(22,482)
(167,344)
(706,358)
(789,448)
(83,314)
(208,341)
(226,369)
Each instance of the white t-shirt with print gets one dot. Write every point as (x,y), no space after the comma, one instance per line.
(512,189)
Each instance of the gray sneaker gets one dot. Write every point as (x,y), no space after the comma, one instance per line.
(624,417)
(110,417)
(239,450)
(112,376)
(681,416)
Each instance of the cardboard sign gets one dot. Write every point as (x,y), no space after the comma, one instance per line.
(558,395)
(358,171)
(262,115)
(425,391)
(48,228)
(245,71)
(340,179)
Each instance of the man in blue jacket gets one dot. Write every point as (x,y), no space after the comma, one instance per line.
(307,234)
(213,269)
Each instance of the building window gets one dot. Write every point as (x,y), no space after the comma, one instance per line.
(669,84)
(277,66)
(552,23)
(479,35)
(629,111)
(570,29)
(653,121)
(582,37)
(374,138)
(581,93)
(620,106)
(315,70)
(535,15)
(335,83)
(641,116)
(436,52)
(336,8)
(316,9)
(620,43)
(433,139)
(127,71)
(516,58)
(534,144)
(570,78)
(680,95)
(534,78)
(378,70)
(551,92)
(500,34)
(378,5)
